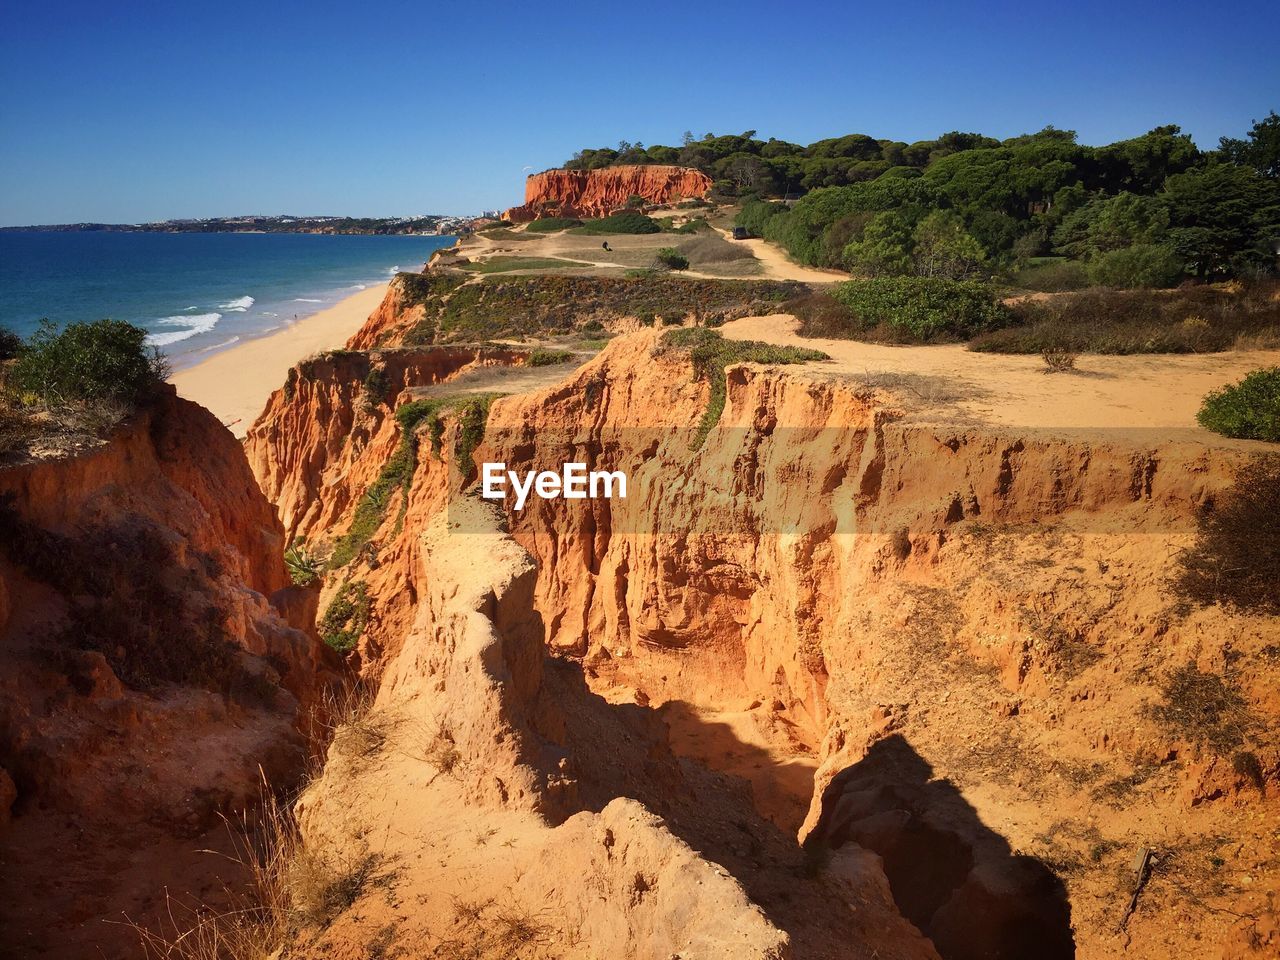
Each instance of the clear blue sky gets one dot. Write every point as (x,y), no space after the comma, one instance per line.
(129,111)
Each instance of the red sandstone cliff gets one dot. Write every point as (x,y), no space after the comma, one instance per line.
(935,649)
(157,664)
(597,193)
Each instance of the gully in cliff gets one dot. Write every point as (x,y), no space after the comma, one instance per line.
(573,482)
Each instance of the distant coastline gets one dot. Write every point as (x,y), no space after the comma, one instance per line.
(431,225)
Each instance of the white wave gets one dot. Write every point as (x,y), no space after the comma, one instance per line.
(219,346)
(358,286)
(192,307)
(190,326)
(392,271)
(238,305)
(306,300)
(268,313)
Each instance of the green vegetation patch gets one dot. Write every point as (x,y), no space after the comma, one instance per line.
(346,617)
(711,353)
(523,306)
(1248,410)
(921,309)
(543,357)
(472,411)
(672,259)
(628,221)
(552,224)
(510,264)
(1051,275)
(106,360)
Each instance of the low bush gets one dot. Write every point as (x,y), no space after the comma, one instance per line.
(87,362)
(1143,265)
(1248,410)
(1195,320)
(1236,557)
(543,357)
(626,222)
(822,315)
(713,249)
(375,386)
(922,309)
(303,567)
(10,344)
(1203,708)
(346,617)
(1057,360)
(551,224)
(1051,276)
(672,259)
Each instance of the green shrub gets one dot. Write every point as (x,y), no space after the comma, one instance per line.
(626,222)
(1236,556)
(303,567)
(102,360)
(543,357)
(711,353)
(923,309)
(1248,410)
(375,387)
(346,617)
(1196,320)
(1143,265)
(10,344)
(1051,276)
(672,259)
(551,224)
(755,214)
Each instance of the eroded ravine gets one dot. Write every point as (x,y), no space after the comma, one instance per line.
(908,640)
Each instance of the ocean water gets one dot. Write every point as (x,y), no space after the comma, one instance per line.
(194,293)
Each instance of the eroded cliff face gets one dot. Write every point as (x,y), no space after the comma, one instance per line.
(159,666)
(933,652)
(597,193)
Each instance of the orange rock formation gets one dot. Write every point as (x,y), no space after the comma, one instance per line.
(597,193)
(929,650)
(117,787)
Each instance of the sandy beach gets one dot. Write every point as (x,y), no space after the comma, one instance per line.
(235,383)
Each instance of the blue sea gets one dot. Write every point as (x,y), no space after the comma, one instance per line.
(194,293)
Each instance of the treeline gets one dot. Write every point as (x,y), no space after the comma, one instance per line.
(1141,212)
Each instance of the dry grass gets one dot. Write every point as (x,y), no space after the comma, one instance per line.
(1203,708)
(1236,558)
(322,883)
(488,930)
(259,916)
(1058,360)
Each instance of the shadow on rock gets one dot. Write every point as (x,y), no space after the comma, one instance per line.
(952,876)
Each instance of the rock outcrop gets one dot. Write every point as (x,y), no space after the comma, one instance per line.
(152,682)
(597,193)
(936,652)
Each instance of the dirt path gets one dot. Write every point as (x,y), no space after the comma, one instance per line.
(778,266)
(1135,392)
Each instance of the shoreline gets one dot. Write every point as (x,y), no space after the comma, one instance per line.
(235,383)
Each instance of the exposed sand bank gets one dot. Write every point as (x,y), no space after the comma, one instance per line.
(235,383)
(1147,391)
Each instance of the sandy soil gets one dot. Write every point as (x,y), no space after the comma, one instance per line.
(1105,392)
(235,383)
(778,266)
